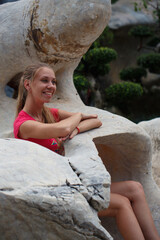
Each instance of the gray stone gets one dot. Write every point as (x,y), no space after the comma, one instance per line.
(41,197)
(124,14)
(47,196)
(152,128)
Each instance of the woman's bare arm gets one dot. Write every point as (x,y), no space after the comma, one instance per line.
(64,114)
(34,129)
(86,125)
(87,122)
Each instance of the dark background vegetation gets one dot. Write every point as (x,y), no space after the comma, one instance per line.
(133,95)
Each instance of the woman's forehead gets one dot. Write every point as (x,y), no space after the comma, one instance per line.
(44,71)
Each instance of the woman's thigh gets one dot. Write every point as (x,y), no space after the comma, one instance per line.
(117,202)
(128,189)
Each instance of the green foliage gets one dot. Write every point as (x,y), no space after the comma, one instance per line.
(99,69)
(150,61)
(133,74)
(114,1)
(154,6)
(119,93)
(153,41)
(106,36)
(140,31)
(97,60)
(80,69)
(100,55)
(81,82)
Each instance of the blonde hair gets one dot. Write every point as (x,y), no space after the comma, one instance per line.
(29,73)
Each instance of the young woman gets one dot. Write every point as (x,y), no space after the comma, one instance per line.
(49,127)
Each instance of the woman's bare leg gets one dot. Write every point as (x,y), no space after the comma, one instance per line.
(134,192)
(121,209)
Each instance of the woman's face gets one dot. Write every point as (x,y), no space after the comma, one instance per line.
(43,85)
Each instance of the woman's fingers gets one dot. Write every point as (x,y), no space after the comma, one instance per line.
(85,116)
(73,134)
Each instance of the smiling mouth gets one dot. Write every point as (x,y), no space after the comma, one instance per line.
(48,94)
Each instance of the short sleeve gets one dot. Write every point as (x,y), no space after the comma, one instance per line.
(22,117)
(55,114)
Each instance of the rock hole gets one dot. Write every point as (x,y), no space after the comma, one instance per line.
(11,88)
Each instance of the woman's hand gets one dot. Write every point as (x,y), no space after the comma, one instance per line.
(63,139)
(74,133)
(88,116)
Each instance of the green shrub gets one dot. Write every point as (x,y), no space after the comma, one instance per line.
(100,55)
(113,1)
(99,69)
(133,74)
(153,41)
(140,31)
(97,60)
(150,61)
(119,93)
(106,37)
(81,82)
(80,69)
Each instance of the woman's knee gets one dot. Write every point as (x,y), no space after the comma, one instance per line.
(117,204)
(136,190)
(121,203)
(124,202)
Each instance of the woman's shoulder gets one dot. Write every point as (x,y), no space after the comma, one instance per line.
(55,113)
(23,115)
(21,118)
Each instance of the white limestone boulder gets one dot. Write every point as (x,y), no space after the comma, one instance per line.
(152,127)
(41,197)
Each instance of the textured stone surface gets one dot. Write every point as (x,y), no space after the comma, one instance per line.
(38,187)
(41,197)
(50,31)
(153,129)
(123,14)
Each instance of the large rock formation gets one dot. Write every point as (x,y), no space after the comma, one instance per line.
(45,195)
(152,128)
(42,197)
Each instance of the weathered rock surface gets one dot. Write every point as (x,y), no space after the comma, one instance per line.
(42,197)
(153,129)
(124,14)
(45,195)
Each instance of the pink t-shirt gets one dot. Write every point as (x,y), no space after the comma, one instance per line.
(51,143)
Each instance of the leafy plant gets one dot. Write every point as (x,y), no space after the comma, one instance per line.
(140,31)
(98,59)
(150,61)
(133,74)
(106,36)
(81,82)
(119,93)
(146,4)
(153,41)
(114,1)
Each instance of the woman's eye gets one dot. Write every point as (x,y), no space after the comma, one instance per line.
(54,82)
(44,80)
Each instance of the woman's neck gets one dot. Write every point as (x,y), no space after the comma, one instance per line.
(34,110)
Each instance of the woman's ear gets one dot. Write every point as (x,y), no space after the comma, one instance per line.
(27,84)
